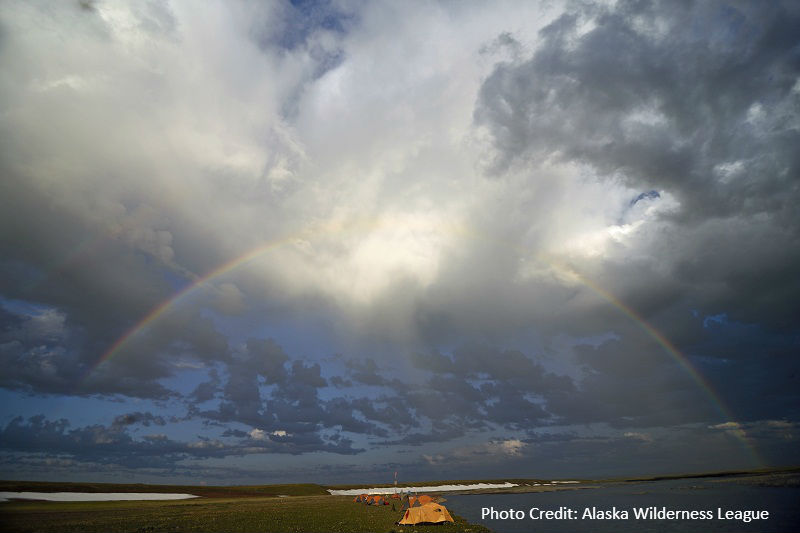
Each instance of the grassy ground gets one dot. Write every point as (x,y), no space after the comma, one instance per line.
(297,513)
(308,507)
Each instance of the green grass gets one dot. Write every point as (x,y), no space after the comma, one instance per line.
(236,508)
(299,513)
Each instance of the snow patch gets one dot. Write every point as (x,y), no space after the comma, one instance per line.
(437,488)
(91,496)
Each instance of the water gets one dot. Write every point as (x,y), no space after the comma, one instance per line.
(782,503)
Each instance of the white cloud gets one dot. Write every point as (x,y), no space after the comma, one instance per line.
(201,161)
(726,425)
(493,450)
(206,444)
(260,434)
(636,435)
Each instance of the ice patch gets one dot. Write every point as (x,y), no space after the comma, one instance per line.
(92,496)
(437,488)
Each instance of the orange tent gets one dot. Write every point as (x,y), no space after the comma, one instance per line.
(420,500)
(377,499)
(430,513)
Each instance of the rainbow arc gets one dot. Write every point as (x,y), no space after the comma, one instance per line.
(335,228)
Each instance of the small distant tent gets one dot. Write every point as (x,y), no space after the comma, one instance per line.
(422,500)
(416,501)
(430,513)
(377,499)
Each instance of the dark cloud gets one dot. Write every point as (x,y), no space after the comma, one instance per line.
(365,371)
(474,388)
(96,443)
(259,362)
(138,417)
(267,359)
(485,385)
(339,412)
(438,433)
(270,393)
(579,96)
(113,445)
(42,354)
(340,382)
(99,289)
(206,390)
(643,99)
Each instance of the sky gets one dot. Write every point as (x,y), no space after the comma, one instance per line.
(324,241)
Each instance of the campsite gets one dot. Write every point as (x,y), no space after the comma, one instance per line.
(313,507)
(416,510)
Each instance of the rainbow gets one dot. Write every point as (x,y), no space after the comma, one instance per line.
(682,361)
(679,358)
(156,312)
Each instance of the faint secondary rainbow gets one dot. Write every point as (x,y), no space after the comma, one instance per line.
(257,252)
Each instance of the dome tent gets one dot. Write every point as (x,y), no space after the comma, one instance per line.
(430,513)
(416,501)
